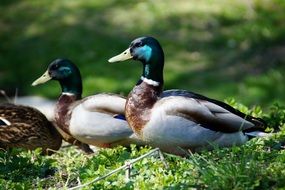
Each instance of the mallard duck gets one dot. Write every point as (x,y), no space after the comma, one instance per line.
(96,120)
(178,120)
(26,127)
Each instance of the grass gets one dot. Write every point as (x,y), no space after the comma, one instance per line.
(223,49)
(258,164)
(216,47)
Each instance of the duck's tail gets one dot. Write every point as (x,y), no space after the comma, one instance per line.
(258,122)
(258,129)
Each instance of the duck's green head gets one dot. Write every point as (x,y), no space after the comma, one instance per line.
(64,71)
(148,51)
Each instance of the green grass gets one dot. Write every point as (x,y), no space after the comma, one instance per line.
(216,47)
(258,164)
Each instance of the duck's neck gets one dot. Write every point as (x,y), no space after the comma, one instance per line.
(150,85)
(153,70)
(71,92)
(72,85)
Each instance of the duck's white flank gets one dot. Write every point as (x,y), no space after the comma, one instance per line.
(149,81)
(92,120)
(169,125)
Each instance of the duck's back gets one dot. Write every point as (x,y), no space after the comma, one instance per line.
(26,127)
(217,107)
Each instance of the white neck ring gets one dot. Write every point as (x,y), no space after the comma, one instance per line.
(149,81)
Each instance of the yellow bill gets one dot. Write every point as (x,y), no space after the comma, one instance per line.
(121,57)
(44,78)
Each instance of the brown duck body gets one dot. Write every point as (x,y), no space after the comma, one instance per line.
(28,128)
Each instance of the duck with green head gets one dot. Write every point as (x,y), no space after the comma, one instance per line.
(178,120)
(96,120)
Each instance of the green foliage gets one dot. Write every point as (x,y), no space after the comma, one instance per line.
(276,116)
(218,48)
(23,170)
(258,164)
(275,119)
(255,111)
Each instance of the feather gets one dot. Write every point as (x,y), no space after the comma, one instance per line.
(28,128)
(107,103)
(4,121)
(207,114)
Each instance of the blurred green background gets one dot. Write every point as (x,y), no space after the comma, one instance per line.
(219,48)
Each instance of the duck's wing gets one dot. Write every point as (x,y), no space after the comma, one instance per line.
(217,106)
(9,133)
(23,126)
(203,112)
(100,118)
(106,103)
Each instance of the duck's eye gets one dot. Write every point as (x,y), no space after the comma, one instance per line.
(139,44)
(55,66)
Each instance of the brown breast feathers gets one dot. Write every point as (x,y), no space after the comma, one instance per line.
(139,104)
(62,113)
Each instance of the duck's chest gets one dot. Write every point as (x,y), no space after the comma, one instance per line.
(62,112)
(139,104)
